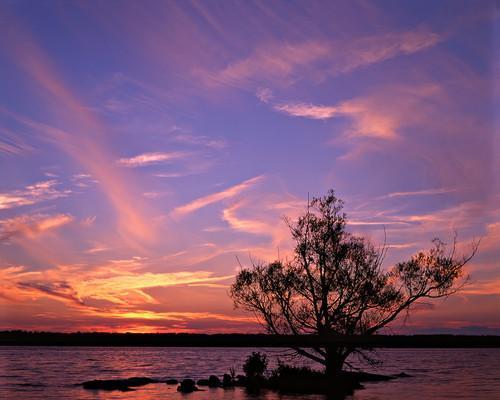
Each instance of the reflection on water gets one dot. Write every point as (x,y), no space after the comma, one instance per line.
(52,372)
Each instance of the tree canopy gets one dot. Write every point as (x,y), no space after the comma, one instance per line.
(335,283)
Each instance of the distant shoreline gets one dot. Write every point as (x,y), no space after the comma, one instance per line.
(100,339)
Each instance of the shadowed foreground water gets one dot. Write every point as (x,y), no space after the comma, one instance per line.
(52,372)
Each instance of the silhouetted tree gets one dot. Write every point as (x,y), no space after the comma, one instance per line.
(255,365)
(335,283)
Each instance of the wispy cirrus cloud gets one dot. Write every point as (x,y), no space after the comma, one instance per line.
(188,166)
(200,140)
(31,225)
(467,219)
(97,248)
(362,52)
(117,288)
(83,180)
(32,194)
(146,159)
(382,115)
(425,192)
(280,63)
(11,143)
(264,94)
(257,220)
(79,132)
(366,121)
(256,226)
(216,197)
(173,174)
(155,195)
(312,111)
(270,61)
(201,254)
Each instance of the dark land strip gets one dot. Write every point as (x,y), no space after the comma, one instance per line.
(25,338)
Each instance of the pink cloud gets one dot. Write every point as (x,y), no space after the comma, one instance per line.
(311,111)
(81,137)
(377,115)
(276,61)
(216,197)
(425,192)
(282,63)
(32,194)
(150,159)
(31,225)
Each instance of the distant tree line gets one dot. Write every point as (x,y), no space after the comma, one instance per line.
(33,338)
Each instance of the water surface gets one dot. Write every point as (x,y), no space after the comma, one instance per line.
(53,372)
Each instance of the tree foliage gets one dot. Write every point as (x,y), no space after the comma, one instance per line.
(255,365)
(335,283)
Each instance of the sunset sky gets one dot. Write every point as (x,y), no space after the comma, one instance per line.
(146,146)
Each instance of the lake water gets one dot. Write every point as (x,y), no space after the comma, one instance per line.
(52,372)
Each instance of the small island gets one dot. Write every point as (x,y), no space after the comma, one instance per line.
(284,379)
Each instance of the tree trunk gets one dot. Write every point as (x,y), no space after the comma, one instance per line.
(334,361)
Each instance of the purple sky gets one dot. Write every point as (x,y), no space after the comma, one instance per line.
(145,145)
